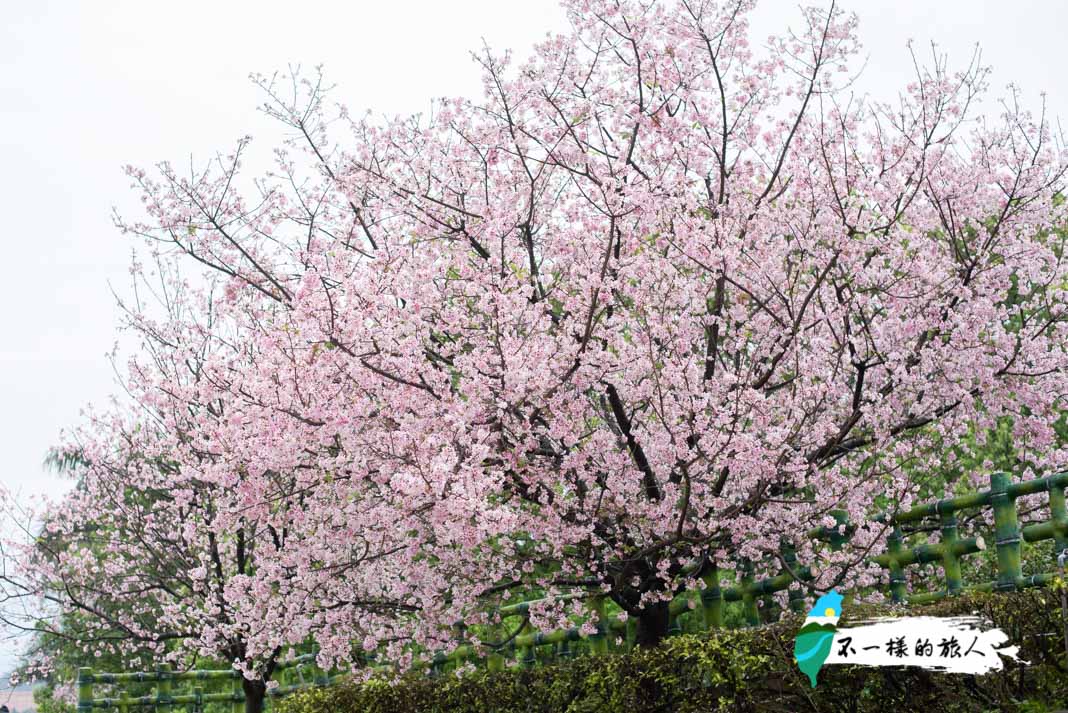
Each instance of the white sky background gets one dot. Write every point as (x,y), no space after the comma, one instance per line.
(86,87)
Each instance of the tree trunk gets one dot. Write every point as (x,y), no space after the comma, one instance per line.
(652,625)
(255,692)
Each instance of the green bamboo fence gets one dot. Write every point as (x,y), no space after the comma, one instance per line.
(703,609)
(185,690)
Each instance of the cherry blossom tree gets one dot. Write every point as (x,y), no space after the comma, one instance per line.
(659,302)
(164,550)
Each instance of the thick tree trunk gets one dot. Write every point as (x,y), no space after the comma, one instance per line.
(652,625)
(255,691)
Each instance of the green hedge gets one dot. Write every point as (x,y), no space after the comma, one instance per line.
(740,670)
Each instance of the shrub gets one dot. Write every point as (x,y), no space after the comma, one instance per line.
(739,670)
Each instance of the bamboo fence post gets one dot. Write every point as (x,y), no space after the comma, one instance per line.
(599,640)
(1058,513)
(163,687)
(530,656)
(494,661)
(198,702)
(563,649)
(1064,600)
(461,654)
(237,695)
(898,582)
(1006,532)
(85,689)
(798,603)
(950,560)
(749,604)
(795,593)
(525,656)
(674,627)
(712,601)
(513,655)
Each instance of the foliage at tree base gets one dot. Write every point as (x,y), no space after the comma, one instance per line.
(742,670)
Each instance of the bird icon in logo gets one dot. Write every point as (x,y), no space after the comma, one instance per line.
(814,641)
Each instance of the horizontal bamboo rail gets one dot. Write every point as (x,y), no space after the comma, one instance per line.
(193,700)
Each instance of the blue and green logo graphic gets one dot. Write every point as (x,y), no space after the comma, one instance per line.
(816,638)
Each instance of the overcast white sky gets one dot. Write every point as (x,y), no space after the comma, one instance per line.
(86,87)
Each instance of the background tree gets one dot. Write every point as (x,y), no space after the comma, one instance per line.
(156,554)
